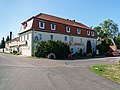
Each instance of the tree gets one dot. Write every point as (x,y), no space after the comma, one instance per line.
(107,29)
(103,47)
(89,47)
(117,40)
(2,43)
(7,39)
(10,35)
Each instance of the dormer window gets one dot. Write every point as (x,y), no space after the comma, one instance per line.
(53,26)
(67,29)
(25,25)
(78,31)
(88,33)
(41,24)
(92,33)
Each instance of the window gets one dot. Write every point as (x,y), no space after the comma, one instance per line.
(40,36)
(71,39)
(65,38)
(78,31)
(20,38)
(88,33)
(51,37)
(71,50)
(27,36)
(92,33)
(24,37)
(42,24)
(53,26)
(25,25)
(67,29)
(80,40)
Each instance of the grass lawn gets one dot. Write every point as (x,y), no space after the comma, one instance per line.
(111,72)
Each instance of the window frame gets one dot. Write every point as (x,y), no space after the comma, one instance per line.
(93,33)
(78,29)
(88,32)
(67,29)
(42,27)
(54,25)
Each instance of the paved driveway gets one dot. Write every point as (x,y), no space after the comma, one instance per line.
(21,73)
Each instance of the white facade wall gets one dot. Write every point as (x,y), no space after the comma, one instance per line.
(26,49)
(61,37)
(77,43)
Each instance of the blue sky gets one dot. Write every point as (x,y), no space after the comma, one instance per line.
(88,12)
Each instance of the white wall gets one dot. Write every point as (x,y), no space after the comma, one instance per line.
(26,49)
(29,25)
(76,39)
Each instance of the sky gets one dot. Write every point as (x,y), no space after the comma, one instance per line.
(88,12)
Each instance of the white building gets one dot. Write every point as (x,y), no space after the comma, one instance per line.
(47,27)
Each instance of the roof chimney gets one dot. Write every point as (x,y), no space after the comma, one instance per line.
(73,20)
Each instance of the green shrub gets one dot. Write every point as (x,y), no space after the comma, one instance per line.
(18,53)
(60,49)
(103,47)
(89,47)
(14,52)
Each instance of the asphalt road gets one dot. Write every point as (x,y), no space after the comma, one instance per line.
(23,73)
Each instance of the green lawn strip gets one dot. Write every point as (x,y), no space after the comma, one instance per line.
(109,71)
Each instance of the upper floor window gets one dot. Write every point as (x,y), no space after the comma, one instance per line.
(53,26)
(88,33)
(67,29)
(41,24)
(65,38)
(78,31)
(92,33)
(25,25)
(51,37)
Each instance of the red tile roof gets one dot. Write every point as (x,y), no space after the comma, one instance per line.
(61,20)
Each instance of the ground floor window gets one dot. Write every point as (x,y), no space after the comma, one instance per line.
(51,37)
